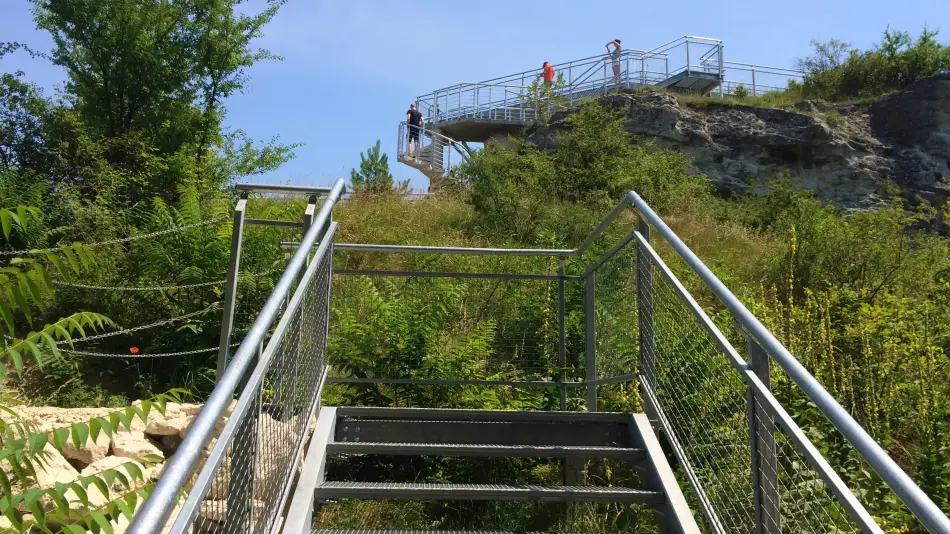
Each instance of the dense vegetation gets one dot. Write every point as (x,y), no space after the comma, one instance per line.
(135,145)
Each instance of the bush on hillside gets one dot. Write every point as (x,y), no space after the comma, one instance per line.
(835,71)
(595,162)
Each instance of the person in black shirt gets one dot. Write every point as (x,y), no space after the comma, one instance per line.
(415,122)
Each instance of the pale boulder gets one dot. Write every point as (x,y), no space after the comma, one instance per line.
(133,445)
(47,418)
(90,451)
(53,469)
(162,426)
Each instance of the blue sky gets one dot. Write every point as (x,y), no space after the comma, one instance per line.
(352,67)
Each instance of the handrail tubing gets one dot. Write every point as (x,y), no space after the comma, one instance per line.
(594,60)
(281,188)
(368,247)
(919,503)
(156,509)
(426,131)
(755,66)
(216,457)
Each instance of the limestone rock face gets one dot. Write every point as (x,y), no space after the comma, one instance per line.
(845,154)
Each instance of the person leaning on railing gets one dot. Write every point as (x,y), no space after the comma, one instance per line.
(615,58)
(547,71)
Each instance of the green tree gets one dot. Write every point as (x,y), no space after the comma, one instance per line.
(145,91)
(373,176)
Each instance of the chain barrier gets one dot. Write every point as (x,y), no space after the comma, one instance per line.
(119,240)
(144,326)
(242,276)
(137,355)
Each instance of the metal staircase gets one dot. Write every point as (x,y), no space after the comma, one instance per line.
(614,314)
(570,436)
(431,155)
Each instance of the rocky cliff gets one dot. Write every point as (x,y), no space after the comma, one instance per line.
(846,154)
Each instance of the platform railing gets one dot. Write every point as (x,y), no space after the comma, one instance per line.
(750,464)
(503,98)
(429,147)
(235,476)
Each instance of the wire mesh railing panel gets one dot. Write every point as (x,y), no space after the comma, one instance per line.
(617,316)
(703,399)
(794,497)
(248,487)
(442,328)
(745,469)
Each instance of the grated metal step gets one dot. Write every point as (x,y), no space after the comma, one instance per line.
(344,531)
(473,449)
(485,492)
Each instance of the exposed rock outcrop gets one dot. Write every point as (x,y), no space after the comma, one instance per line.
(846,154)
(160,436)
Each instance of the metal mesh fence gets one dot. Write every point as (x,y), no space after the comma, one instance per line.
(704,403)
(247,489)
(445,328)
(617,331)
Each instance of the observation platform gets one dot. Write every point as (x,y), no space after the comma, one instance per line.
(496,108)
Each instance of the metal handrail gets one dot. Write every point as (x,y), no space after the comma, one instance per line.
(919,503)
(156,509)
(596,59)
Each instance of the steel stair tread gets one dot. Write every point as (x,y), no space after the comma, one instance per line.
(490,492)
(357,531)
(473,449)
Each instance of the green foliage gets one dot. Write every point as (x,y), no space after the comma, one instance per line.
(544,98)
(23,452)
(373,176)
(740,92)
(835,71)
(595,163)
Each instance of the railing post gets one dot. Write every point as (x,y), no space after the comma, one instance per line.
(753,81)
(230,290)
(561,334)
(722,71)
(765,484)
(687,56)
(590,349)
(242,466)
(645,308)
(298,319)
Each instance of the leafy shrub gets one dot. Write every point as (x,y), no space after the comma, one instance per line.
(740,92)
(835,71)
(594,163)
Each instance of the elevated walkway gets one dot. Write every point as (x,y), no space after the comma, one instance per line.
(475,112)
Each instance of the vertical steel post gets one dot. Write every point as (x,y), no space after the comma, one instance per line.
(301,313)
(626,72)
(765,484)
(722,75)
(240,499)
(230,290)
(753,81)
(687,56)
(561,334)
(645,308)
(570,83)
(590,349)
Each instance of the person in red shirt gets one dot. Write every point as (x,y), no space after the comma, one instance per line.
(547,71)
